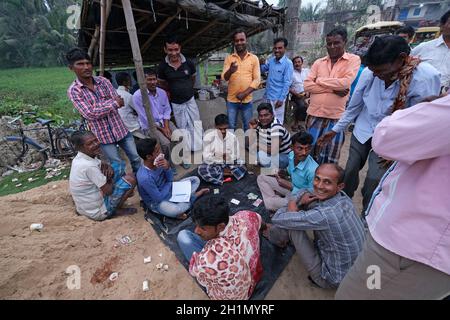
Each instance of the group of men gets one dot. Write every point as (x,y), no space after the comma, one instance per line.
(397,128)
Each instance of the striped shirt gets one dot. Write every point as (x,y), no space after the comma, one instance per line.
(99,108)
(338,232)
(276,130)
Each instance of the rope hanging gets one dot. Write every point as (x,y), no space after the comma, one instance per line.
(153,11)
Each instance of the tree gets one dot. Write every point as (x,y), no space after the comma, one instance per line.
(311,12)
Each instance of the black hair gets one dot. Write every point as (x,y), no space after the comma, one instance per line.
(145,147)
(211,211)
(150,72)
(265,106)
(386,49)
(238,31)
(221,119)
(281,39)
(303,138)
(122,77)
(338,168)
(77,138)
(338,31)
(407,30)
(445,17)
(297,57)
(171,39)
(76,54)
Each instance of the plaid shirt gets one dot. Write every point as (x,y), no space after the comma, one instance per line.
(338,232)
(99,108)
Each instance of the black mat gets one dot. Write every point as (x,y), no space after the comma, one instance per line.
(273,259)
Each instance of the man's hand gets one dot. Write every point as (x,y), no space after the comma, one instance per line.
(278,104)
(326,138)
(119,101)
(167,132)
(163,163)
(292,206)
(341,93)
(233,67)
(241,96)
(307,198)
(283,183)
(253,124)
(107,171)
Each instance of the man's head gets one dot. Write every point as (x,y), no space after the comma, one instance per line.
(328,181)
(211,216)
(151,78)
(172,47)
(240,41)
(148,149)
(445,25)
(80,63)
(302,145)
(386,56)
(221,122)
(123,79)
(279,47)
(298,63)
(406,33)
(335,42)
(265,114)
(86,142)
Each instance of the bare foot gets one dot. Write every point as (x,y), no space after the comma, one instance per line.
(126,211)
(202,192)
(182,216)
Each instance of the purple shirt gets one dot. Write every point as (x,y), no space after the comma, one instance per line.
(410,210)
(160,107)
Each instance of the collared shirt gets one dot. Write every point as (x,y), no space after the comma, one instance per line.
(298,78)
(229,266)
(338,232)
(247,75)
(279,79)
(215,147)
(127,112)
(85,182)
(371,101)
(160,107)
(323,80)
(154,185)
(99,108)
(437,53)
(275,130)
(302,174)
(180,80)
(409,213)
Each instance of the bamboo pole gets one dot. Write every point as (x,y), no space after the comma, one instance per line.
(101,50)
(137,57)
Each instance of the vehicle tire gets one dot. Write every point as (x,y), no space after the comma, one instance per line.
(22,157)
(63,144)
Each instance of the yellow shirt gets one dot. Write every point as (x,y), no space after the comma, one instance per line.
(247,75)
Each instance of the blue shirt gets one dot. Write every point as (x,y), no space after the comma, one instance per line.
(279,79)
(371,101)
(302,175)
(154,185)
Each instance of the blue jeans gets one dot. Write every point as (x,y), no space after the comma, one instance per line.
(246,110)
(266,161)
(127,144)
(174,209)
(189,242)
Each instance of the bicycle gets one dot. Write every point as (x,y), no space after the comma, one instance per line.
(26,154)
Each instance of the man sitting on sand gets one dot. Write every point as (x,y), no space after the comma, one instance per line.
(330,214)
(155,179)
(275,189)
(221,154)
(98,189)
(224,251)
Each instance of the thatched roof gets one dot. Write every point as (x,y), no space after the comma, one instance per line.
(202,26)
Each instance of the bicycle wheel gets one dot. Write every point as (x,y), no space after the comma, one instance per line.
(63,144)
(22,156)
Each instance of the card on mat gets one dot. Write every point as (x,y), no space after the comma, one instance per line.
(257,202)
(234,201)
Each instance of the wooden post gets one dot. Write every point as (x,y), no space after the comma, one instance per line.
(93,46)
(291,25)
(101,50)
(137,57)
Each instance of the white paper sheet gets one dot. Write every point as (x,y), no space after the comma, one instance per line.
(181,191)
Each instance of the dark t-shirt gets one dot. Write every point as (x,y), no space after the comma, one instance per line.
(180,80)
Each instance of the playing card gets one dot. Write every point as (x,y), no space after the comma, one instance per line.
(234,201)
(216,191)
(257,202)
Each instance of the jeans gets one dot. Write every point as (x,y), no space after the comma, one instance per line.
(246,112)
(189,242)
(174,209)
(127,144)
(266,161)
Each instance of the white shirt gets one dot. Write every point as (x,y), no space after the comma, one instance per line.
(127,112)
(437,53)
(85,182)
(297,80)
(215,147)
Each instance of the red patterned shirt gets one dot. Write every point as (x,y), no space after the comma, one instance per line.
(229,266)
(99,108)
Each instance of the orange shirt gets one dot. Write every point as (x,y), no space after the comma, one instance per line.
(323,79)
(247,75)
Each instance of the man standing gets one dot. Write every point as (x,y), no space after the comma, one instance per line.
(279,80)
(406,33)
(437,52)
(241,70)
(393,77)
(177,74)
(297,92)
(329,84)
(98,102)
